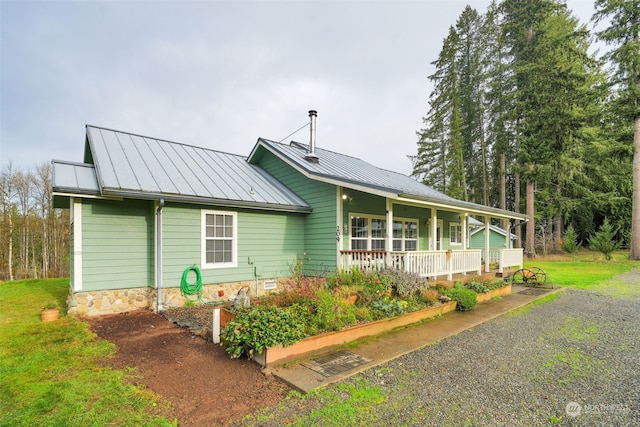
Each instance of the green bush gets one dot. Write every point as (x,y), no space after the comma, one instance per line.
(604,241)
(260,327)
(570,241)
(465,298)
(404,283)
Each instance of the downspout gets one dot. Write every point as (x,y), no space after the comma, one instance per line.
(159,255)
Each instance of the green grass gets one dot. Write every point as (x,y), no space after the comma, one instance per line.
(586,270)
(50,372)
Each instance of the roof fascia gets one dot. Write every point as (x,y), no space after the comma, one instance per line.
(209,201)
(491,212)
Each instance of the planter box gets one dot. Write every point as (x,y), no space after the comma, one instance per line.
(494,293)
(279,354)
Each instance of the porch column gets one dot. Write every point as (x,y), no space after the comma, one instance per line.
(434,228)
(464,231)
(487,245)
(508,230)
(389,240)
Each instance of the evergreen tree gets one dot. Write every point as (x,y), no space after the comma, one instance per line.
(624,33)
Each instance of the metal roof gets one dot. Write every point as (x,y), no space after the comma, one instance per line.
(355,173)
(129,165)
(69,177)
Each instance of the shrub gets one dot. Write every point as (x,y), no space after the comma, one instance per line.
(480,286)
(570,241)
(604,241)
(405,284)
(465,298)
(260,327)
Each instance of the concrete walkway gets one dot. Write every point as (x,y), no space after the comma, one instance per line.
(405,340)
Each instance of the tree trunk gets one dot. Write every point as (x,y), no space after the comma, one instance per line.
(503,187)
(517,209)
(10,254)
(635,210)
(531,225)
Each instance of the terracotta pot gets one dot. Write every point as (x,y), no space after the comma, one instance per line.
(50,314)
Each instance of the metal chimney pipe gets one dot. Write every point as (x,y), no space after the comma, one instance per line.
(312,142)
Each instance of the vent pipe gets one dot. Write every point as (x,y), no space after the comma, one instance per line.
(311,157)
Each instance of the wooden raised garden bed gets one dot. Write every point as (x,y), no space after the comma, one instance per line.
(487,296)
(278,355)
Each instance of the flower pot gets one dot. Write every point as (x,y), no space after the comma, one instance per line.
(50,314)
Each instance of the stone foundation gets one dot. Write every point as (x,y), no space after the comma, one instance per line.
(98,303)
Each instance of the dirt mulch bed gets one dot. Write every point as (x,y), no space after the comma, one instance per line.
(203,384)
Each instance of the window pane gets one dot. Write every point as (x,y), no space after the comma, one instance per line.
(411,231)
(411,245)
(377,245)
(378,227)
(358,245)
(397,229)
(359,227)
(397,245)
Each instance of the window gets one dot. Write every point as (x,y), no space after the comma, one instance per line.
(367,233)
(219,239)
(405,235)
(455,233)
(370,233)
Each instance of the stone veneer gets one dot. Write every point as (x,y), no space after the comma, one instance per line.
(97,303)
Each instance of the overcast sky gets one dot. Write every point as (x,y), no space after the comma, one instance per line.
(221,74)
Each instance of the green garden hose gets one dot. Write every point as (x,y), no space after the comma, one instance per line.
(194,288)
(191,288)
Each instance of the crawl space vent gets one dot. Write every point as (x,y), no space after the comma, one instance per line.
(270,284)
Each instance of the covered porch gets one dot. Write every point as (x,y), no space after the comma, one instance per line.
(434,264)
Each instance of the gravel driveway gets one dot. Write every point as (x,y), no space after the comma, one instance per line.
(571,361)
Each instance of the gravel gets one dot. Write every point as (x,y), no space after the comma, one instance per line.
(571,361)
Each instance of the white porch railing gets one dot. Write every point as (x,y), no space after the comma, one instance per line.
(423,263)
(510,258)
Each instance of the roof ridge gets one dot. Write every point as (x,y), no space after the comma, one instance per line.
(166,140)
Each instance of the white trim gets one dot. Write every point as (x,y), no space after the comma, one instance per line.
(76,224)
(234,240)
(451,242)
(339,231)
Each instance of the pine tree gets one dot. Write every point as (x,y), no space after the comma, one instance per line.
(624,32)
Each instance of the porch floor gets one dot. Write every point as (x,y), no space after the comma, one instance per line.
(392,345)
(464,278)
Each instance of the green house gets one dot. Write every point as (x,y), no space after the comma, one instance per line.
(148,216)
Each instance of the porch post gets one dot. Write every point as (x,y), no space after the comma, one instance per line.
(487,245)
(464,232)
(389,240)
(508,242)
(434,228)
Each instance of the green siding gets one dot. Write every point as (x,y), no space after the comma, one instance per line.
(117,244)
(270,240)
(496,240)
(320,225)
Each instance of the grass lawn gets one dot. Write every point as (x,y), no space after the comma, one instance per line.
(49,372)
(589,270)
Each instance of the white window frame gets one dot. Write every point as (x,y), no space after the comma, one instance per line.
(369,237)
(404,239)
(233,239)
(455,233)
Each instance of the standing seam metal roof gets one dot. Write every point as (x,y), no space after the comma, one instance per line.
(132,165)
(354,171)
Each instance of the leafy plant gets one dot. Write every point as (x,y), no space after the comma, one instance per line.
(604,241)
(50,305)
(389,307)
(260,327)
(482,286)
(405,284)
(465,298)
